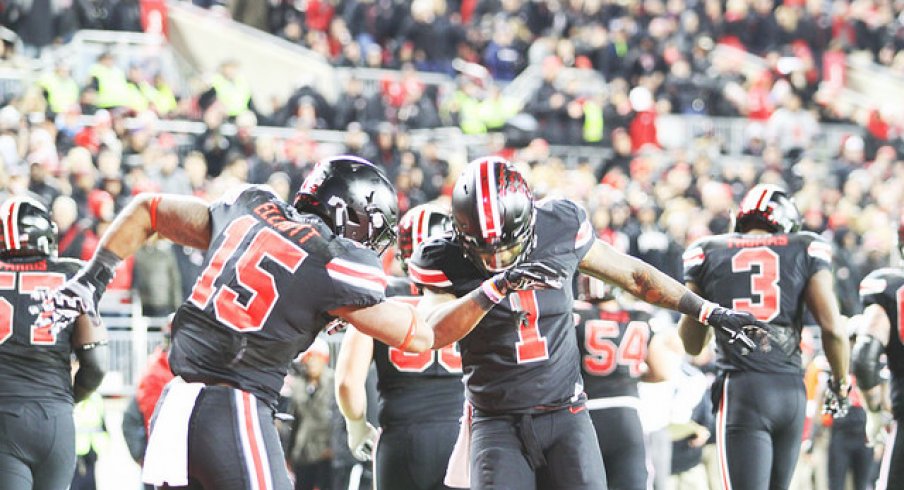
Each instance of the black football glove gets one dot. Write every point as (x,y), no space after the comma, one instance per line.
(732,323)
(529,275)
(78,296)
(836,399)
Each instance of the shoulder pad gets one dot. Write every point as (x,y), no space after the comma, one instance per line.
(427,265)
(877,281)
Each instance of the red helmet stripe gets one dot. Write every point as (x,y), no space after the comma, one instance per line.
(12,228)
(419,233)
(759,203)
(486,193)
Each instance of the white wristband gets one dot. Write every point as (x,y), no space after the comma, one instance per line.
(488,288)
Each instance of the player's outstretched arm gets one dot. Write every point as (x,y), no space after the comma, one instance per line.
(452,318)
(394,323)
(653,286)
(820,299)
(355,357)
(89,342)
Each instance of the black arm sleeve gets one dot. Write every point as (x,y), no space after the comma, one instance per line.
(92,359)
(865,361)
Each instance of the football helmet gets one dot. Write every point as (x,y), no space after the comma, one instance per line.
(27,228)
(768,207)
(493,214)
(418,225)
(354,198)
(593,290)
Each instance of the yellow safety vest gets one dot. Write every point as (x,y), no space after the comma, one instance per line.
(495,113)
(593,122)
(469,114)
(113,89)
(161,97)
(62,93)
(234,95)
(89,425)
(137,101)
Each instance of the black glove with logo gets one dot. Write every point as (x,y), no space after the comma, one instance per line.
(731,323)
(79,295)
(528,275)
(836,399)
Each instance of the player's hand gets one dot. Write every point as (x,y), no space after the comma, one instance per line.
(78,296)
(876,427)
(836,399)
(732,324)
(362,438)
(528,275)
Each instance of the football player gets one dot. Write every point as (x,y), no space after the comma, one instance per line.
(421,395)
(771,270)
(619,349)
(496,285)
(275,274)
(37,391)
(882,293)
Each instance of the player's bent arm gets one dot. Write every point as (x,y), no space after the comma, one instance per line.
(89,342)
(663,356)
(694,335)
(452,318)
(820,299)
(640,279)
(352,365)
(182,219)
(871,339)
(394,323)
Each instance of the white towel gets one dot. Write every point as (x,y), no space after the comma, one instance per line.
(458,472)
(166,458)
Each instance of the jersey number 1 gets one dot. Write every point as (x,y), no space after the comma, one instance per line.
(29,282)
(247,273)
(763,283)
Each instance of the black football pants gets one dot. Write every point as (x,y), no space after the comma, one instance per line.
(233,444)
(759,425)
(414,456)
(621,442)
(37,446)
(891,471)
(550,450)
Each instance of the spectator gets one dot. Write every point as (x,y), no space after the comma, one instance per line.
(229,88)
(60,89)
(108,83)
(157,279)
(309,452)
(91,440)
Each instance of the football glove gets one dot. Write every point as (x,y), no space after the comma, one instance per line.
(528,275)
(876,427)
(78,296)
(362,438)
(836,399)
(731,323)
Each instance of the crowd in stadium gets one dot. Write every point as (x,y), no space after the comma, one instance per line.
(646,201)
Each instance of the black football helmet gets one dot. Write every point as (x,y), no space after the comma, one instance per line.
(27,228)
(418,225)
(493,214)
(768,207)
(593,290)
(354,198)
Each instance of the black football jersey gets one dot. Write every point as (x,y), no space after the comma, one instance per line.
(765,275)
(613,347)
(523,354)
(269,278)
(885,287)
(34,362)
(417,387)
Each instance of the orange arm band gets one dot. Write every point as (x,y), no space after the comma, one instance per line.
(153,209)
(410,335)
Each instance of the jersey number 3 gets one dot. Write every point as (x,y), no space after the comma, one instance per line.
(247,273)
(29,282)
(763,283)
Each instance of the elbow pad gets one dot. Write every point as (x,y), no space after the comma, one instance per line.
(92,359)
(865,361)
